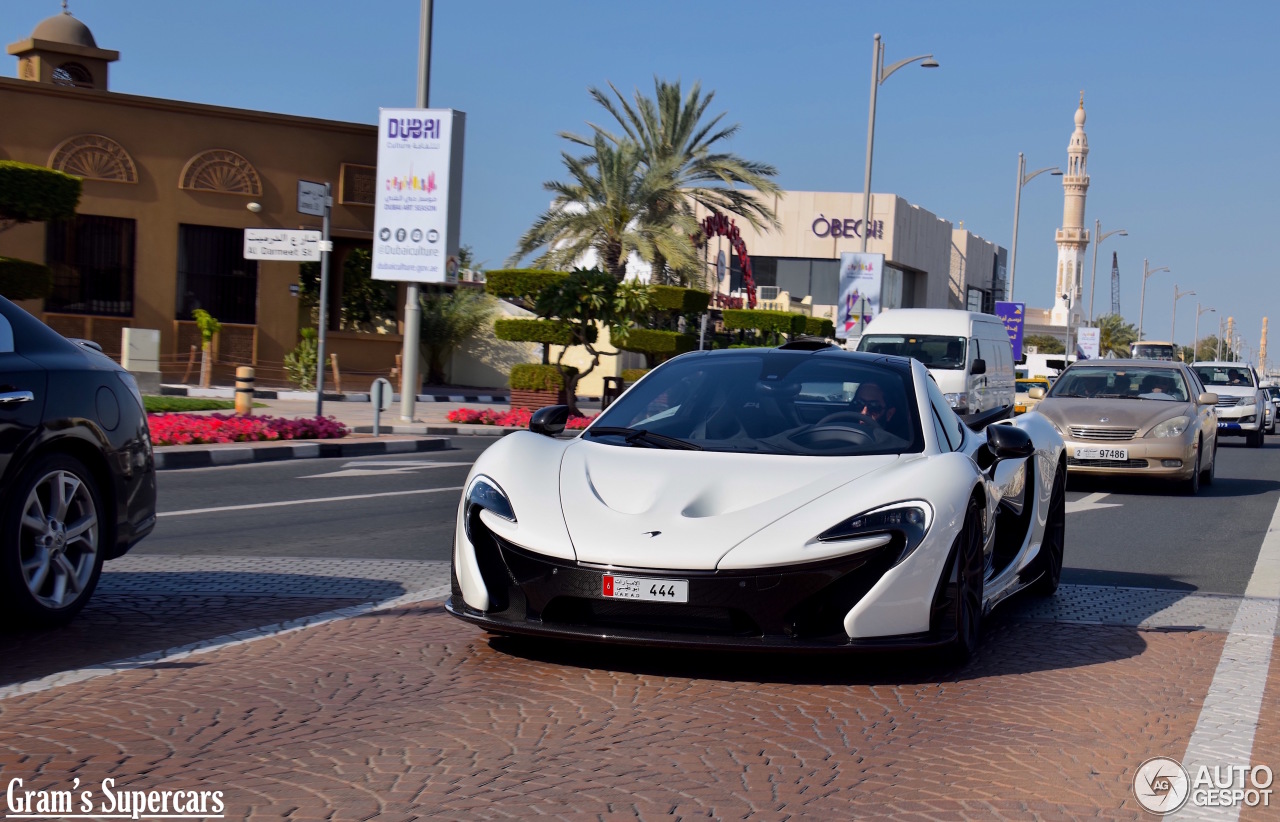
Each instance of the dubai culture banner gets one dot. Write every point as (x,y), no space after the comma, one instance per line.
(418,195)
(860,278)
(1013,316)
(1088,343)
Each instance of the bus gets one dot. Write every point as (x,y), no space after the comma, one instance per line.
(1151,350)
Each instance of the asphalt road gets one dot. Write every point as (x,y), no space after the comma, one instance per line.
(1119,533)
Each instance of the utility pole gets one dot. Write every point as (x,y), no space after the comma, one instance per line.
(412,306)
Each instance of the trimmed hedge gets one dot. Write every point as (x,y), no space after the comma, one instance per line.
(538,377)
(520,283)
(659,343)
(753,345)
(33,194)
(23,280)
(781,322)
(683,300)
(548,332)
(819,327)
(630,375)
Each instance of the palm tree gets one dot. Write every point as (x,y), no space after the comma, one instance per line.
(613,204)
(670,132)
(1115,335)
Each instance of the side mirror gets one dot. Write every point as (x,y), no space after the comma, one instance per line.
(1007,442)
(549,421)
(1208,399)
(979,367)
(1035,393)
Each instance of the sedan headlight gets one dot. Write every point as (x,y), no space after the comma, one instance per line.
(487,495)
(1247,402)
(957,400)
(909,520)
(1170,428)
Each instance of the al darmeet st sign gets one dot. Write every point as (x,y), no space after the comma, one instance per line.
(418,195)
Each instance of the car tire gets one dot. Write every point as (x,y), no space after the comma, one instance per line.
(1191,485)
(51,552)
(1206,476)
(968,567)
(1052,547)
(1257,439)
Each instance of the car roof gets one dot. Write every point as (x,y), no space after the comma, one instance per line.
(1128,363)
(1223,363)
(902,364)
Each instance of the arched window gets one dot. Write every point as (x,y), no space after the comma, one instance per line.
(72,74)
(94,157)
(223,171)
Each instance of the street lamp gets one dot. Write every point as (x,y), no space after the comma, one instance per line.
(1023,179)
(1142,303)
(878,75)
(1097,241)
(1195,346)
(1177,295)
(1070,300)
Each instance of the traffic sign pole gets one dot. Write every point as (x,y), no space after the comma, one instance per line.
(325,247)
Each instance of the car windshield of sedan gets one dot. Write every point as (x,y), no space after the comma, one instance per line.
(935,351)
(1132,383)
(768,403)
(1219,375)
(1026,385)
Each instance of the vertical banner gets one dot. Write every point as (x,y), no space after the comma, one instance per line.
(860,278)
(1088,343)
(418,197)
(1012,315)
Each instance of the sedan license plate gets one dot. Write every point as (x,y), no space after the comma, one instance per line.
(650,590)
(1118,454)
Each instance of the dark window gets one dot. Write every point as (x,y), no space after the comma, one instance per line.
(72,74)
(92,262)
(214,275)
(799,276)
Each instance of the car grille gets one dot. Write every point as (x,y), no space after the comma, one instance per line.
(1228,402)
(1093,432)
(1133,463)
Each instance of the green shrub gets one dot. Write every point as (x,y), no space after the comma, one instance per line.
(547,332)
(753,345)
(630,375)
(682,300)
(300,363)
(819,327)
(33,194)
(22,280)
(662,344)
(520,283)
(780,322)
(538,377)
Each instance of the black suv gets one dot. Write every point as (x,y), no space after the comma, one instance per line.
(77,474)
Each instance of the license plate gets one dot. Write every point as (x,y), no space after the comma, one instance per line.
(1228,426)
(650,590)
(1119,454)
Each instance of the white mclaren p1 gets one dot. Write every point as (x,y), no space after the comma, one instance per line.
(804,497)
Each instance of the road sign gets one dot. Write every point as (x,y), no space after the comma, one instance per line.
(311,198)
(289,245)
(380,393)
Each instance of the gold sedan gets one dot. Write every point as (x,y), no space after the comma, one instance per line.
(1135,417)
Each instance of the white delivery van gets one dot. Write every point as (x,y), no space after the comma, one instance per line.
(969,354)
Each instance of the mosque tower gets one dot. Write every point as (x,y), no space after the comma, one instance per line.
(1073,237)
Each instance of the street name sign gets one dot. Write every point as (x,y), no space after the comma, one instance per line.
(311,198)
(290,245)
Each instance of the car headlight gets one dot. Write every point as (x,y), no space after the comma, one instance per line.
(1170,428)
(957,400)
(909,520)
(487,495)
(1247,402)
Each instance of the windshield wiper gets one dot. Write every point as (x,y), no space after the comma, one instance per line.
(634,435)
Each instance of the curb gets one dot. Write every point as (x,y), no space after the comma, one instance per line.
(310,396)
(185,456)
(456,430)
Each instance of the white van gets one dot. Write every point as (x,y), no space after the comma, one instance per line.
(969,354)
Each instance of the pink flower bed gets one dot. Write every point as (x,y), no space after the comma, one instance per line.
(201,429)
(515,418)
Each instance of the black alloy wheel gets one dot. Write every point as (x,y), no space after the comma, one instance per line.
(1206,476)
(967,578)
(1053,546)
(1191,485)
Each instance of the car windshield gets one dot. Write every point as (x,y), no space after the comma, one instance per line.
(1274,392)
(1129,382)
(1217,376)
(1027,385)
(777,402)
(935,351)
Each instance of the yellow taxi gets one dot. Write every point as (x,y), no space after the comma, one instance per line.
(1021,402)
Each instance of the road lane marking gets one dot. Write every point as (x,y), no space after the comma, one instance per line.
(385,468)
(1091,502)
(345,498)
(1229,717)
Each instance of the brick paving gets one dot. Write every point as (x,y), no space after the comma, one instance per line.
(1266,741)
(411,714)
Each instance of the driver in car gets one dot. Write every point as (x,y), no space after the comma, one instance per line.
(869,400)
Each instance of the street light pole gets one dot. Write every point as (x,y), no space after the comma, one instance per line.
(1142,303)
(1195,345)
(878,75)
(1023,179)
(412,307)
(1070,299)
(1177,295)
(1098,238)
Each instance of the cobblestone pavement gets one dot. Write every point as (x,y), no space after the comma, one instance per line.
(407,713)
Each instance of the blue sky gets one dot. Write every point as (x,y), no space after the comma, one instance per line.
(1181,102)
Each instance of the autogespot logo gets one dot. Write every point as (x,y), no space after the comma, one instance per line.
(1161,785)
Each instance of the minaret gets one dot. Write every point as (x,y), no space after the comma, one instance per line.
(1073,237)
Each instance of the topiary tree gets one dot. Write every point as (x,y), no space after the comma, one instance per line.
(770,324)
(662,339)
(32,194)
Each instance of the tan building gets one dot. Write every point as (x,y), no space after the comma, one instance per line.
(169,188)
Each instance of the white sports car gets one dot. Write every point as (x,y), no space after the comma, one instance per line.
(796,498)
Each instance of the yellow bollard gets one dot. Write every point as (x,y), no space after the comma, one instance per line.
(244,391)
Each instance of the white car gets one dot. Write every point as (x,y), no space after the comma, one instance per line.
(796,498)
(1242,404)
(1272,390)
